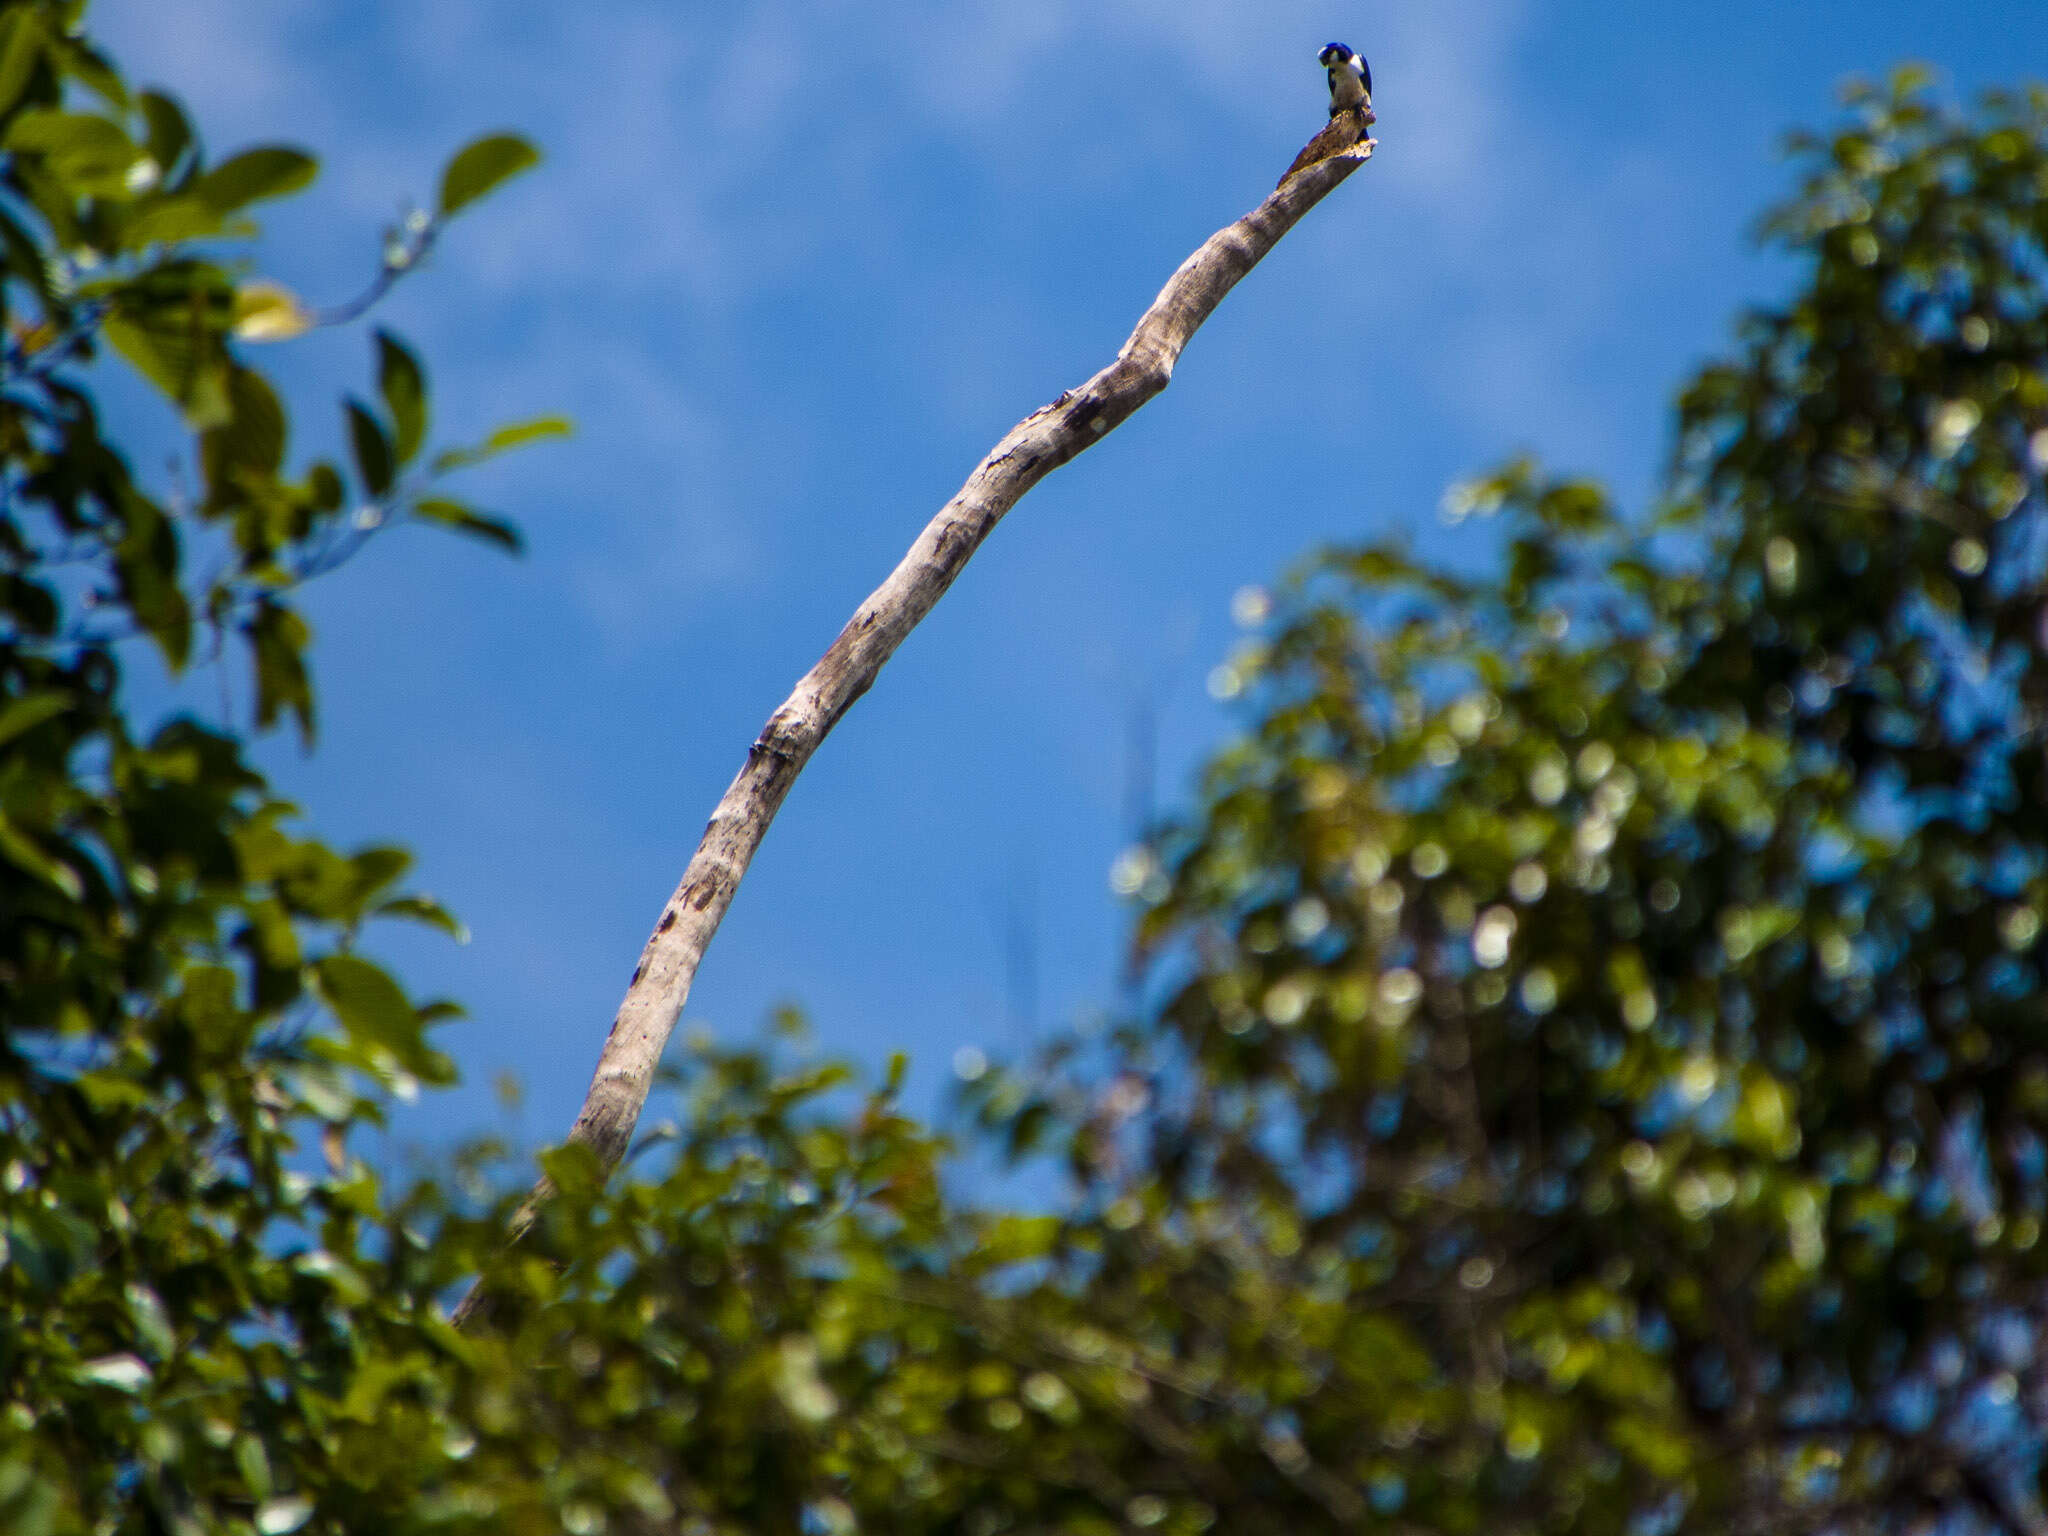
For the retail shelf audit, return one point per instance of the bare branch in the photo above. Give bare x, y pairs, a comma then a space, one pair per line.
1032, 449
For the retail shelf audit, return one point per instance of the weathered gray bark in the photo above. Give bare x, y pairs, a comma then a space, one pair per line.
1037, 445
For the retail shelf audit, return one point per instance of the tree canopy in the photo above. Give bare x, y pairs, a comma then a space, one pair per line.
1592, 1064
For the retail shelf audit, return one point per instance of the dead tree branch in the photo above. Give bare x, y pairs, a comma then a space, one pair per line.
1032, 449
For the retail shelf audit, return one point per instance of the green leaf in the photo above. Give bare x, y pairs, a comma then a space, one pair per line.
324, 488
251, 441
278, 639
374, 459
250, 1459
1016, 1239
481, 165
112, 1092
28, 1502
171, 322
453, 514
29, 711
209, 1005
512, 435
256, 174
270, 937
134, 342
21, 45
171, 221
170, 131
17, 850
372, 869
404, 389
1911, 77
152, 1324
424, 909
146, 563
86, 64
24, 258
574, 1168
91, 155
371, 1006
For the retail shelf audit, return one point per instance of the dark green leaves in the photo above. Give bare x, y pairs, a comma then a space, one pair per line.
27, 856
385, 445
376, 461
247, 449
482, 165
463, 519
1646, 920
196, 1268
23, 714
169, 132
278, 638
405, 396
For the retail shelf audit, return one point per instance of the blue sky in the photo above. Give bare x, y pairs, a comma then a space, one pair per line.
793, 268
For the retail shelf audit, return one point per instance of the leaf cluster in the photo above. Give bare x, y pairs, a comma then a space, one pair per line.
1617, 981
187, 1010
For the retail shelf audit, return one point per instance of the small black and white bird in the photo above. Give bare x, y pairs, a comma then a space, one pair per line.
1351, 114
1350, 79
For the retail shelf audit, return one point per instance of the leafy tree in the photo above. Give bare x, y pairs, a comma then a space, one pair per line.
1597, 1062
1601, 1074
184, 998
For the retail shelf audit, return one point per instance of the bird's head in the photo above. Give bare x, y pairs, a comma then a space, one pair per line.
1333, 53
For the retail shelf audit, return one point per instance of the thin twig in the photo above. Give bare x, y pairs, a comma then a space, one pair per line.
404, 249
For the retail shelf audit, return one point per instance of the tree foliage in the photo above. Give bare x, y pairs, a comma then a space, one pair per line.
184, 999
1615, 982
1596, 1061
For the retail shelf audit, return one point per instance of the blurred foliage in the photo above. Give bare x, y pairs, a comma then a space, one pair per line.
1597, 1063
1604, 1044
184, 1002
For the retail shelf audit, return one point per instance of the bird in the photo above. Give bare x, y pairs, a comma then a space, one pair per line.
1350, 78
1351, 114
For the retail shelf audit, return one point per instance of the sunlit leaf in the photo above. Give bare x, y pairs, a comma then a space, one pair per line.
269, 311
124, 1373
513, 435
